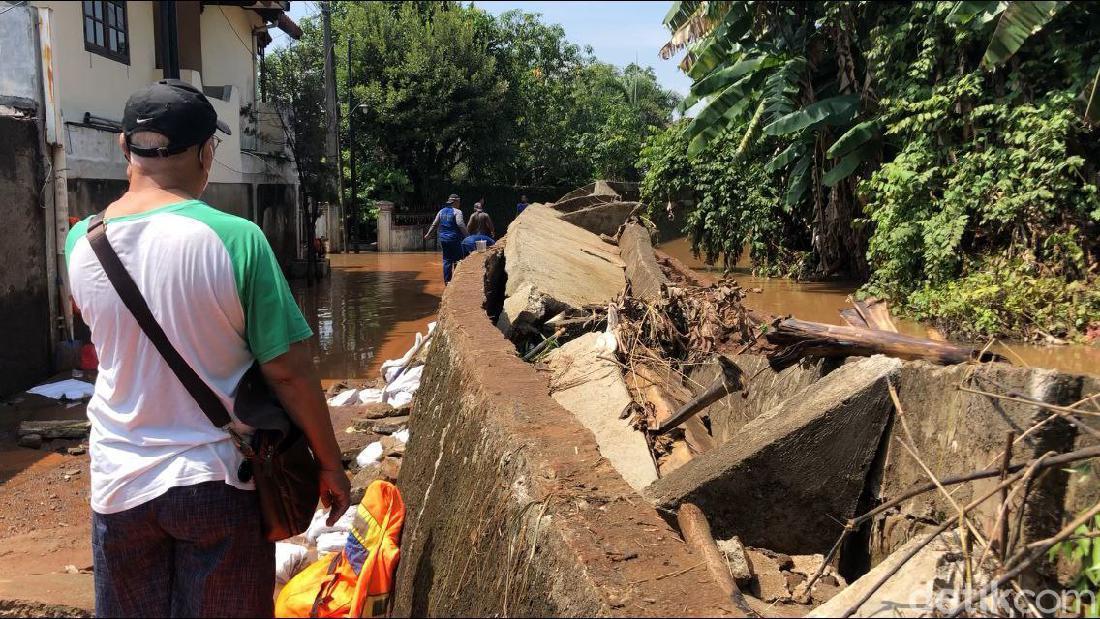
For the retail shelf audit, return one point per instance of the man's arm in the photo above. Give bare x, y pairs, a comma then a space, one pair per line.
492, 228
431, 228
293, 379
461, 223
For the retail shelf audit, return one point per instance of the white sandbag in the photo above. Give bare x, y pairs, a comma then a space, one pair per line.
289, 560
390, 368
331, 542
342, 398
399, 399
370, 396
371, 453
317, 526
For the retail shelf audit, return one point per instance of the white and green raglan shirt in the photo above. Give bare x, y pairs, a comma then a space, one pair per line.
213, 284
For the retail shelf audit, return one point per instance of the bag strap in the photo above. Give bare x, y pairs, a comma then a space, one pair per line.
127, 290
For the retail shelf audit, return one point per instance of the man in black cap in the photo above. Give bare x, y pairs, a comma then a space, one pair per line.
176, 528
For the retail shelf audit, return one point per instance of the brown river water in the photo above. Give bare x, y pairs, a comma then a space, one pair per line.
369, 310
372, 305
822, 302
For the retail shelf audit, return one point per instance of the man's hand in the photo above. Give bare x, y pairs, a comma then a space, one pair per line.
425, 237
335, 493
294, 380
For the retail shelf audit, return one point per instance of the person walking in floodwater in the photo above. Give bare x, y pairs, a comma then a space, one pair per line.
480, 222
452, 229
176, 523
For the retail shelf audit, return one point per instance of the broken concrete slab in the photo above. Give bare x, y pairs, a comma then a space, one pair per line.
593, 389
642, 271
957, 431
909, 593
602, 218
813, 452
765, 391
553, 265
769, 581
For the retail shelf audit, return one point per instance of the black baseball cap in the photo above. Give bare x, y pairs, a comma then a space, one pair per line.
174, 109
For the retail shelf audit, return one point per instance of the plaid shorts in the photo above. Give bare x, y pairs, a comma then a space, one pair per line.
195, 551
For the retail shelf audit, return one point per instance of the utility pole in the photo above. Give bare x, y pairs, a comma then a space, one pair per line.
352, 203
332, 149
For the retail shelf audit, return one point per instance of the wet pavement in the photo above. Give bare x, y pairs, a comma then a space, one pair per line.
822, 301
369, 310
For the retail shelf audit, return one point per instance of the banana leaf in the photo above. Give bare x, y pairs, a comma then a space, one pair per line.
1018, 22
834, 109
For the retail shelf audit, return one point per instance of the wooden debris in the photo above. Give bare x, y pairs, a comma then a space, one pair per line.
730, 382
801, 338
696, 531
55, 429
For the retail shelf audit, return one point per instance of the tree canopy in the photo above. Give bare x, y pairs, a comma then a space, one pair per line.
446, 93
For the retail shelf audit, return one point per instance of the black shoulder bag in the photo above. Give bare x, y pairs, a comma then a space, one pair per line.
277, 457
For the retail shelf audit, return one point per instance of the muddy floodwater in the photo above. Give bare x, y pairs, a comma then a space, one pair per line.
821, 302
369, 309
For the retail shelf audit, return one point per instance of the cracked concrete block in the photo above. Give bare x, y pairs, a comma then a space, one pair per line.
552, 265
737, 559
642, 271
767, 390
602, 218
594, 391
790, 477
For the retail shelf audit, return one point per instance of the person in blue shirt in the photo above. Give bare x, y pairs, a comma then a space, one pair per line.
522, 205
469, 244
452, 229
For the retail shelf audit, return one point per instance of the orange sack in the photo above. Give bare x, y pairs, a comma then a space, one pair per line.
358, 580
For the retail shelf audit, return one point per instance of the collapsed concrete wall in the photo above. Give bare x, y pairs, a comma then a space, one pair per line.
603, 218
511, 508
553, 265
790, 477
956, 431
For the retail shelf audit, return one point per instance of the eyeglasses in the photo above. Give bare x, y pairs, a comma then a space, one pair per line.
217, 141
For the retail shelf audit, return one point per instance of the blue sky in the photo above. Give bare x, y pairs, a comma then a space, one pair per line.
619, 32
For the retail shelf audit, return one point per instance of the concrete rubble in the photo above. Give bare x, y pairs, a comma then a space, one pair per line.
814, 450
590, 386
553, 265
587, 457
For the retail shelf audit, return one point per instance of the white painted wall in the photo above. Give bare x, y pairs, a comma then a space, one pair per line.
92, 83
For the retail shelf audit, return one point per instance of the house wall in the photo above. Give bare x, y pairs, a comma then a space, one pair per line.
24, 293
92, 83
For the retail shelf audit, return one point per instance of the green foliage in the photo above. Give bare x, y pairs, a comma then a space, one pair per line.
941, 151
445, 94
1082, 550
736, 201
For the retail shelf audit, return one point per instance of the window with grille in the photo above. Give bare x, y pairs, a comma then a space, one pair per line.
105, 29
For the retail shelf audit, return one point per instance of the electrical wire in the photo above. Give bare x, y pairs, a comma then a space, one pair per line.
234, 31
17, 4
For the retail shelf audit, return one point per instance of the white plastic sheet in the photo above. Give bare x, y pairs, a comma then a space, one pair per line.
332, 542
64, 388
370, 396
317, 526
